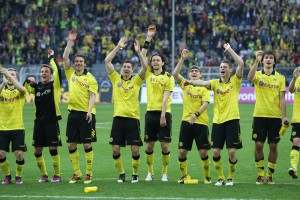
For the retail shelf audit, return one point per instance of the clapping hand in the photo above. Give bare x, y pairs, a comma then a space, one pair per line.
137, 46
122, 42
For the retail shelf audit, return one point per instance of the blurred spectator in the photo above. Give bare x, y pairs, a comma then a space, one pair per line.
29, 26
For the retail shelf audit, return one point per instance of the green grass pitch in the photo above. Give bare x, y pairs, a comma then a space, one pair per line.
105, 175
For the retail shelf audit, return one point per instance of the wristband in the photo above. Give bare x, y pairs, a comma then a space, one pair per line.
197, 114
146, 45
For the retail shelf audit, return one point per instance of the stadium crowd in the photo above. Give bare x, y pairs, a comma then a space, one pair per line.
28, 27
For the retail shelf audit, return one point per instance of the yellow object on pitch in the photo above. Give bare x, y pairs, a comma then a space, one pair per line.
190, 181
91, 189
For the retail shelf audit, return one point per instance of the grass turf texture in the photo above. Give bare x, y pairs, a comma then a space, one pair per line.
105, 175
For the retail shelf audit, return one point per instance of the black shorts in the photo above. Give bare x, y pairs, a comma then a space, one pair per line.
125, 131
78, 128
295, 131
46, 135
263, 128
228, 132
190, 132
17, 139
153, 131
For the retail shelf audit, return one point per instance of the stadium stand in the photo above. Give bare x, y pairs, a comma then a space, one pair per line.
29, 27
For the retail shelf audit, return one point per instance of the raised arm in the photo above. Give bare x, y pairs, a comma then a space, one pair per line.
15, 82
109, 66
252, 71
236, 58
57, 76
72, 38
177, 76
143, 59
150, 35
293, 81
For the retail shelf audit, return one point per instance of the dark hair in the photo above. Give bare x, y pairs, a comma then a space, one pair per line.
82, 56
227, 62
128, 61
47, 66
269, 52
195, 67
162, 59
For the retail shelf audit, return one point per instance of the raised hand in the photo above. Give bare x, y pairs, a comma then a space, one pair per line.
73, 35
296, 72
137, 47
151, 31
259, 56
226, 46
184, 53
3, 70
122, 42
50, 52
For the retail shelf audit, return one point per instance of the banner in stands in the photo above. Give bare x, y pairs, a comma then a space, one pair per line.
247, 95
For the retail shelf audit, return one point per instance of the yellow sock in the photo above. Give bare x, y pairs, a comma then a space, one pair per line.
271, 169
165, 158
118, 161
19, 168
183, 165
219, 168
75, 162
231, 169
260, 167
5, 167
205, 167
150, 161
294, 155
89, 159
41, 164
56, 164
135, 164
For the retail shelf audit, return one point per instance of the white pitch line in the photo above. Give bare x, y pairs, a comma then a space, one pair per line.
107, 197
103, 127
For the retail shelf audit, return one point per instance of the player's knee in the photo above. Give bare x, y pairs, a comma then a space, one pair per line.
19, 155
273, 147
182, 153
216, 153
135, 150
259, 145
2, 154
